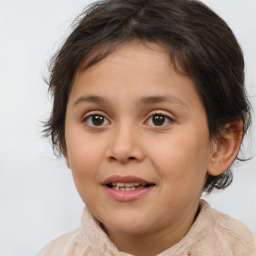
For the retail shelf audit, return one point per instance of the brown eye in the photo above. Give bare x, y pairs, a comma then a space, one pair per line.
96, 120
159, 120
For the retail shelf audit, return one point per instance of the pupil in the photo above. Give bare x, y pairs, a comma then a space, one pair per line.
97, 120
158, 120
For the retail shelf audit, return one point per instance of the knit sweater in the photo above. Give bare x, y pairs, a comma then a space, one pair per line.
212, 234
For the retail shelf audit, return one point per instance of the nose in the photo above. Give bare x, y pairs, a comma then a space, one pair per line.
125, 145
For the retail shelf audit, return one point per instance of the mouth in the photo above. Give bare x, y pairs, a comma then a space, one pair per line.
127, 188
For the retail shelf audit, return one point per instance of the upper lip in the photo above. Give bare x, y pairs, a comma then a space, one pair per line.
126, 179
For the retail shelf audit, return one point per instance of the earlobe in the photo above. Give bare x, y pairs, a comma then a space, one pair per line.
67, 160
226, 148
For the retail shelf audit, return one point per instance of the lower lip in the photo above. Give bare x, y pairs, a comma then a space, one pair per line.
127, 196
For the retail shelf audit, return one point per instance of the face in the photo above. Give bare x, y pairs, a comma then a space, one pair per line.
137, 142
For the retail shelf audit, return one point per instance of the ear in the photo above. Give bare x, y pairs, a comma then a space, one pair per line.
226, 148
67, 160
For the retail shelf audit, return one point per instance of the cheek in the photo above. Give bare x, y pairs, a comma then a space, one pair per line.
85, 159
82, 150
183, 160
84, 163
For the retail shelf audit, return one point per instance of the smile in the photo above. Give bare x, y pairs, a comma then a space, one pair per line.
127, 188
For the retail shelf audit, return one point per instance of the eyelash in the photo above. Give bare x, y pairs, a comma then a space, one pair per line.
88, 119
167, 119
89, 122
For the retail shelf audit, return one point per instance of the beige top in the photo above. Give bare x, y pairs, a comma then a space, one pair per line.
212, 234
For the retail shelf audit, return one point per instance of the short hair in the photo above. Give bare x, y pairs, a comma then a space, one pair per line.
200, 45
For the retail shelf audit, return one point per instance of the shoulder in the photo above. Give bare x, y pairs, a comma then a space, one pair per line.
232, 226
232, 234
64, 245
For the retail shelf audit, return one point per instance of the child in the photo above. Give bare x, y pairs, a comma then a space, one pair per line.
149, 111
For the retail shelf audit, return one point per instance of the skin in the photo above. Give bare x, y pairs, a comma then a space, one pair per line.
175, 156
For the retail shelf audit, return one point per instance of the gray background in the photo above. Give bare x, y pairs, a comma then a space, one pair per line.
38, 200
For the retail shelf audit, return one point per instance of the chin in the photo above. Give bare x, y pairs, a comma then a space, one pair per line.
126, 224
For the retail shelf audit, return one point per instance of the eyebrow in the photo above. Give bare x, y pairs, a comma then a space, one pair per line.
92, 99
147, 100
158, 99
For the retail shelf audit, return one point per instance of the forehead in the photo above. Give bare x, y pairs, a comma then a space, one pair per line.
114, 50
135, 72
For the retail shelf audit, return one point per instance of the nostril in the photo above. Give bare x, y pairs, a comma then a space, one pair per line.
112, 158
131, 158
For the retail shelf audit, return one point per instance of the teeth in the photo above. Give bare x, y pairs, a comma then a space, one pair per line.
130, 185
126, 189
130, 189
127, 186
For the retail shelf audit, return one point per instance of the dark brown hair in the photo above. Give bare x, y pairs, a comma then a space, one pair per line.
200, 45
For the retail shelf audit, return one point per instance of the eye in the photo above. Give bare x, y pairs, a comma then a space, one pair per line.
96, 120
159, 120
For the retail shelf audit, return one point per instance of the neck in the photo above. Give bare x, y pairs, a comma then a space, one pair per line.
156, 241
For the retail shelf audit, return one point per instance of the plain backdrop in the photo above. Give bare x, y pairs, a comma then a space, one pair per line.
38, 200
